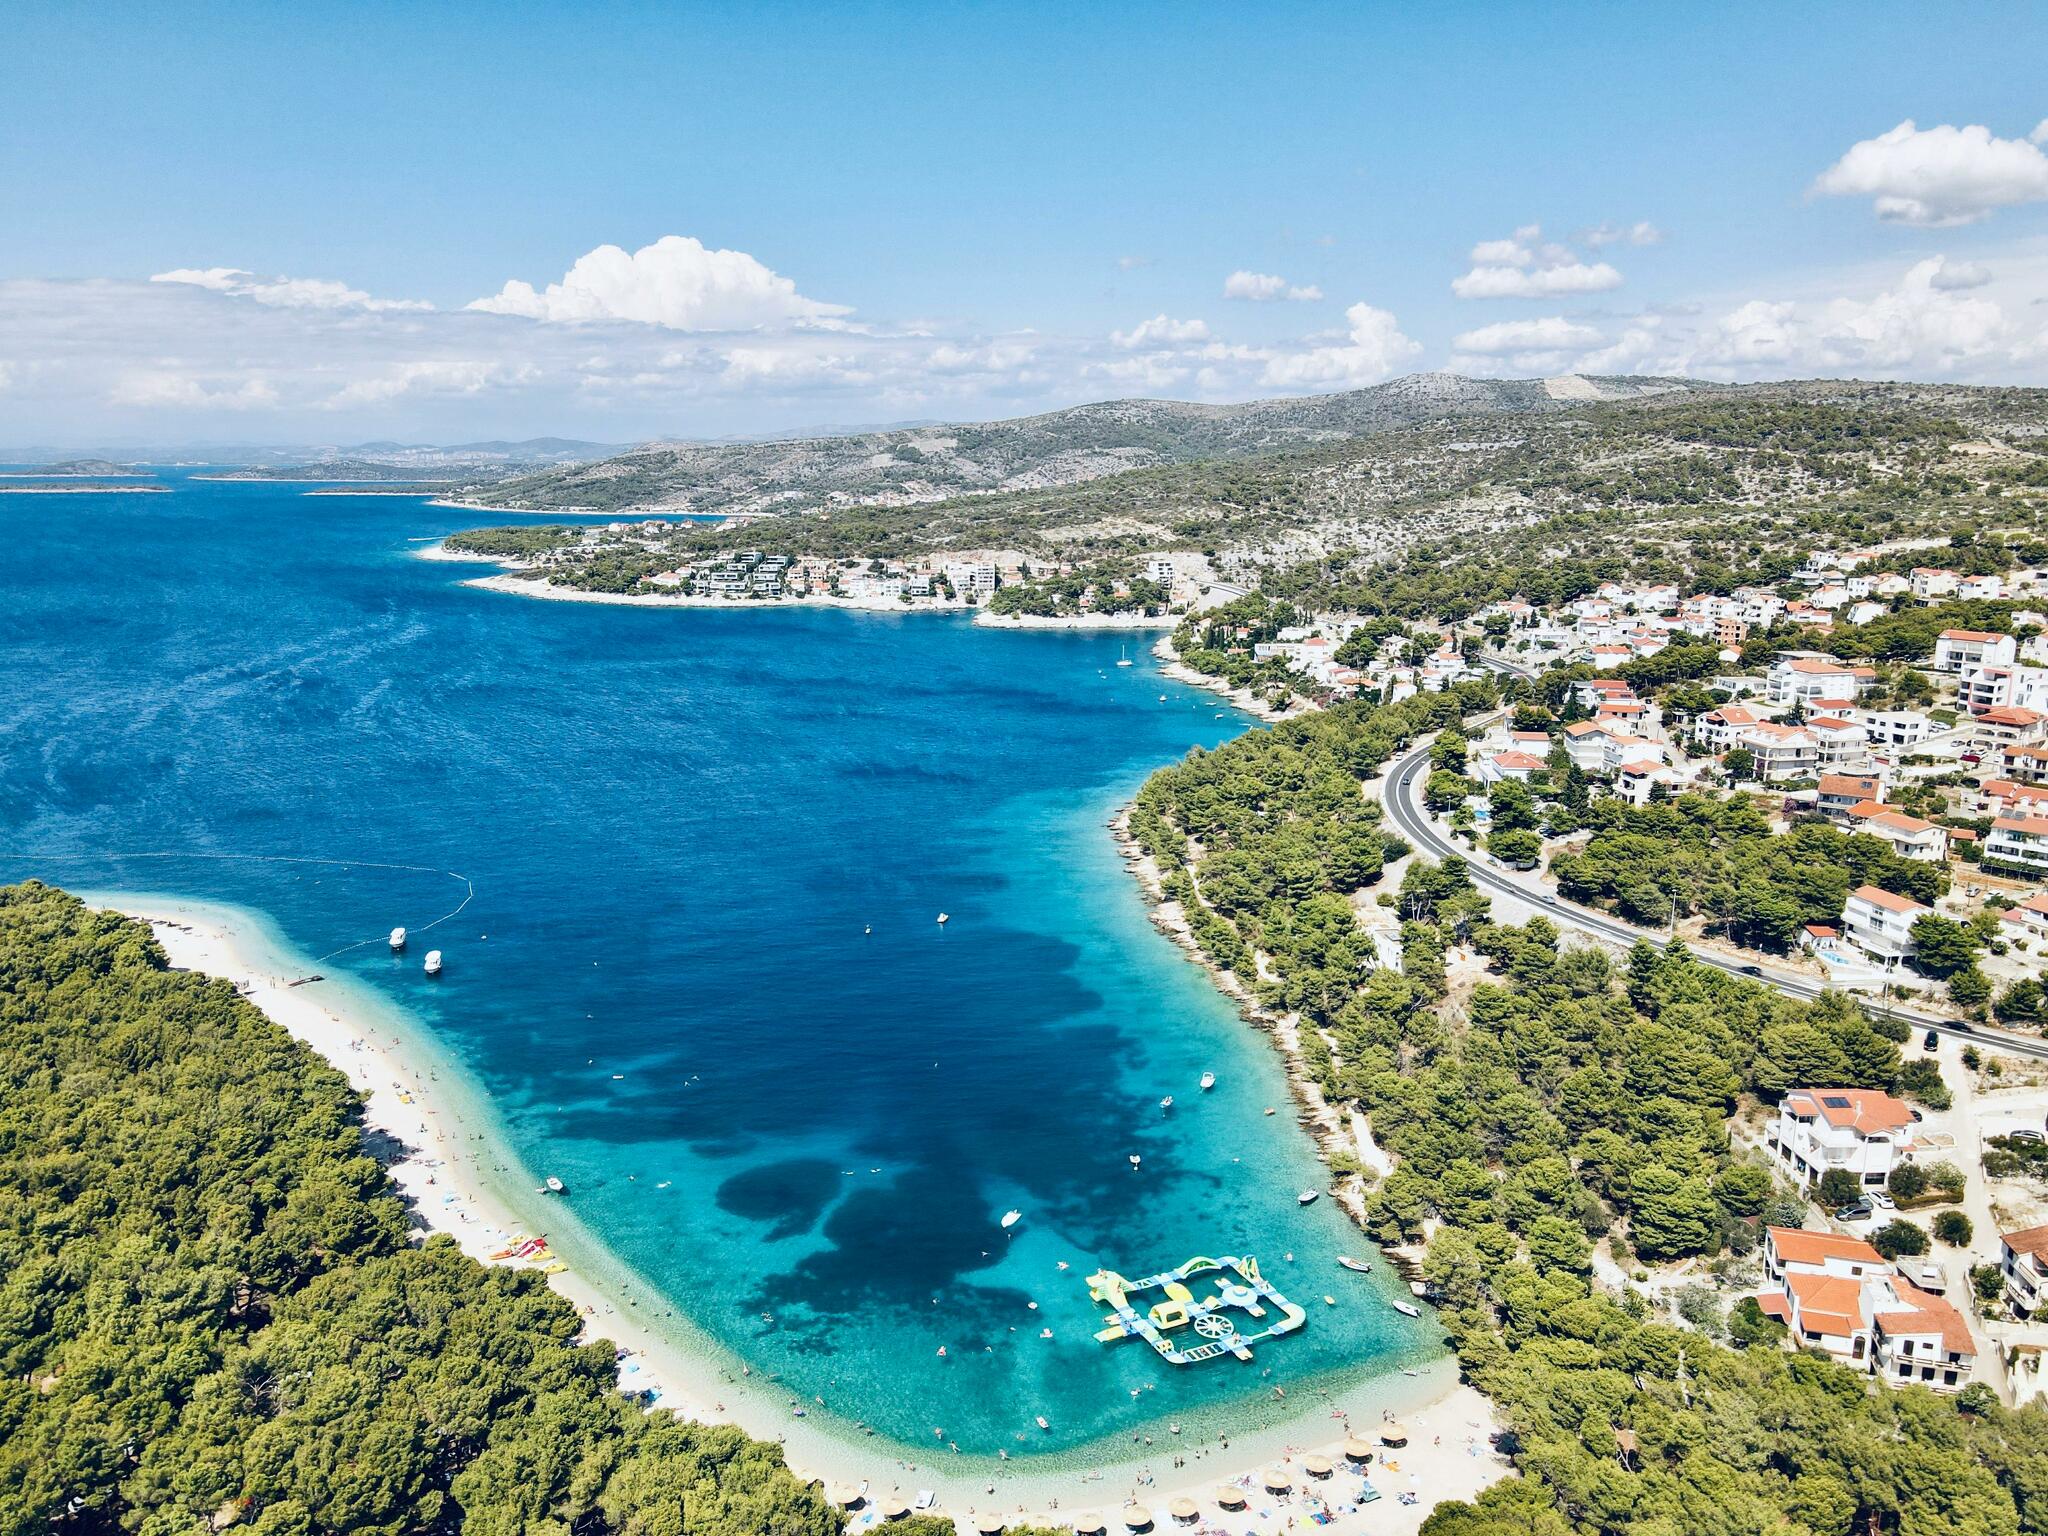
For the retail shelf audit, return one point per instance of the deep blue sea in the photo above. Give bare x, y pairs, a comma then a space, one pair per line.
708, 851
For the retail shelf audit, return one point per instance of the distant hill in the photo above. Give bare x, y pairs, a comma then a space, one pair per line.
911, 465
97, 469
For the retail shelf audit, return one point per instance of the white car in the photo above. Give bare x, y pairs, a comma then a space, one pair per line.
1881, 1200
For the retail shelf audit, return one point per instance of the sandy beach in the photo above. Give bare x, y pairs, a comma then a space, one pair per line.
441, 1153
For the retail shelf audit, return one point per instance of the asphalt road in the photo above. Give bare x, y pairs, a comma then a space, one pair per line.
1404, 810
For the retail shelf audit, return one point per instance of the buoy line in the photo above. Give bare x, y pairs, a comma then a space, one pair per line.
468, 893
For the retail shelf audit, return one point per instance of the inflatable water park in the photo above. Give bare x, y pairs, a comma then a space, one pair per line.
1184, 1328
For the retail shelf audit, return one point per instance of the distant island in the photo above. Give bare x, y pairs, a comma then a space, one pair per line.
99, 469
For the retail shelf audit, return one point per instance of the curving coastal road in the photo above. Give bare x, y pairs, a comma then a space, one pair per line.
1402, 799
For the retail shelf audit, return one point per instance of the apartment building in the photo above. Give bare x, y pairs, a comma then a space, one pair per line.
1858, 1129
1908, 836
2020, 842
1881, 924
1958, 649
2023, 1260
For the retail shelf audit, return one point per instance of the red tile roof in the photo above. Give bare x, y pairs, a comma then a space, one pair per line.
1865, 1110
1927, 1313
1878, 897
2032, 1240
1796, 1245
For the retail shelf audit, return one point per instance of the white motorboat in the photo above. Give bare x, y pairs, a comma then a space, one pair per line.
397, 940
1167, 1102
1308, 1197
1407, 1309
1011, 1218
1208, 1081
1356, 1266
433, 962
1135, 1159
556, 1186
944, 919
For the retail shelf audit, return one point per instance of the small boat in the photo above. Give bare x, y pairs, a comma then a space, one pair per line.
1124, 662
556, 1186
1407, 1309
1011, 1218
1167, 1102
1329, 1301
1135, 1159
943, 919
1308, 1197
1356, 1266
433, 962
1208, 1081
1041, 1422
397, 940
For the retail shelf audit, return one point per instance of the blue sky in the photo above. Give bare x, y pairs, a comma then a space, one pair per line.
960, 210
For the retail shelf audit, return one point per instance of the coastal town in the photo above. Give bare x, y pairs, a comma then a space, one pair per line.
1657, 757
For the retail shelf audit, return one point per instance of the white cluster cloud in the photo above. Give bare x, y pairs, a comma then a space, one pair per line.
1160, 328
283, 292
1264, 288
1935, 320
1370, 352
1942, 176
1525, 266
676, 283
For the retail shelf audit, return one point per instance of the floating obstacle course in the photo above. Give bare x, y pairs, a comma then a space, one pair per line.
1241, 1291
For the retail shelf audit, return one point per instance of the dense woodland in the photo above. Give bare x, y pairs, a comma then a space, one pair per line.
212, 1313
1566, 1103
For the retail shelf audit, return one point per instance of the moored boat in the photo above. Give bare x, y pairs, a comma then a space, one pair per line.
1011, 1218
1135, 1159
433, 962
1208, 1081
1167, 1102
1356, 1266
397, 940
1407, 1309
1308, 1197
555, 1186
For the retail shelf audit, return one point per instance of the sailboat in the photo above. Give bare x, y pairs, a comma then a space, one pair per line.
1124, 659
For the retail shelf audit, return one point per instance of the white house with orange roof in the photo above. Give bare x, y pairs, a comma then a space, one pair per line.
1957, 649
1908, 836
1917, 1338
1808, 680
1839, 742
1815, 1286
2009, 726
1781, 751
1840, 793
2023, 1260
2018, 841
1931, 581
1512, 764
1857, 1129
2029, 919
1880, 923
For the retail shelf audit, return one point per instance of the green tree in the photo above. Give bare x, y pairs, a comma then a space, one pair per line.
1942, 947
1838, 1186
1899, 1237
1952, 1228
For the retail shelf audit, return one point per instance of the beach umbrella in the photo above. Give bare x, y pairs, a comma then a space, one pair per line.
846, 1496
989, 1525
1090, 1524
1230, 1496
894, 1509
1277, 1481
1137, 1517
1184, 1509
1358, 1448
1317, 1466
1393, 1432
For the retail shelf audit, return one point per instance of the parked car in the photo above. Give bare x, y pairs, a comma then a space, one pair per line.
2025, 1133
1860, 1210
1882, 1201
1933, 1039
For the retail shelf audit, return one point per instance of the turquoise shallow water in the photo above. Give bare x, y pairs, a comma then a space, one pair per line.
680, 827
